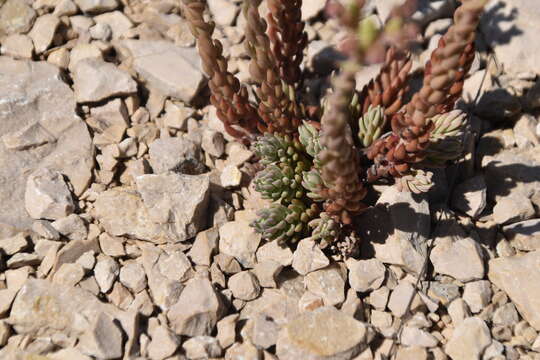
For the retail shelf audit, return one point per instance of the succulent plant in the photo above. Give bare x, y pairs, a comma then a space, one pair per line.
284, 223
371, 125
353, 137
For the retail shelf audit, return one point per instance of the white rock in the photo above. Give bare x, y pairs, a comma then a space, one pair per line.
43, 32
5, 332
267, 272
14, 244
239, 240
328, 283
116, 21
172, 70
512, 209
469, 196
18, 46
244, 285
275, 252
518, 277
198, 309
224, 12
176, 154
366, 275
202, 347
133, 277
412, 336
524, 235
69, 274
6, 298
401, 298
106, 271
461, 259
50, 136
101, 31
103, 339
226, 330
96, 6
519, 31
506, 315
109, 121
230, 177
308, 257
164, 343
477, 295
458, 311
213, 142
318, 335
95, 80
16, 17
65, 8
72, 227
469, 340
204, 247
47, 195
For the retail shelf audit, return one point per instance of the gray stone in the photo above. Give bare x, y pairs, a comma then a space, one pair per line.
204, 247
176, 154
164, 343
469, 196
47, 130
16, 16
109, 121
524, 235
117, 21
328, 283
244, 285
43, 31
318, 335
412, 336
514, 40
96, 6
106, 271
365, 275
103, 338
95, 80
477, 295
469, 340
45, 230
461, 259
171, 70
308, 257
512, 209
239, 240
213, 142
198, 309
202, 347
506, 315
18, 46
176, 202
72, 226
518, 276
47, 195
133, 277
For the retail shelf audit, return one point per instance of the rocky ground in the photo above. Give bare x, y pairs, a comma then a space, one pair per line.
125, 207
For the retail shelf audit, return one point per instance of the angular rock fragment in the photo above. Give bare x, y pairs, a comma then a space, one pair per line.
47, 195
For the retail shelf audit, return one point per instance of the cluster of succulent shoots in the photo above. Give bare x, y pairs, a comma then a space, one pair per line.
317, 164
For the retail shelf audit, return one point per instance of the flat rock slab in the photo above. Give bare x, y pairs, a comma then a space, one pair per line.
38, 129
319, 335
519, 277
171, 70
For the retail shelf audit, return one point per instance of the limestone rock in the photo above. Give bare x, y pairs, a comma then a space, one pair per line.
469, 340
109, 121
16, 17
311, 9
520, 33
176, 202
164, 343
477, 295
518, 276
95, 80
327, 283
43, 131
103, 339
275, 252
42, 34
308, 257
133, 277
176, 154
366, 275
47, 195
461, 259
204, 247
238, 239
117, 22
469, 196
318, 335
412, 336
106, 271
400, 298
171, 70
202, 347
512, 209
198, 309
244, 285
524, 235
96, 6
19, 46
